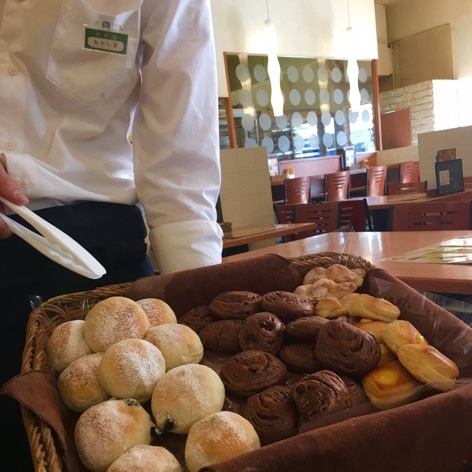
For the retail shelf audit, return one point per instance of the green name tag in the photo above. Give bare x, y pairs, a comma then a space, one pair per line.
108, 41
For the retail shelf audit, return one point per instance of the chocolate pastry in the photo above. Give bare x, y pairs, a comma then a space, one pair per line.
272, 413
320, 394
235, 304
356, 392
305, 329
346, 349
300, 357
197, 318
250, 372
221, 335
262, 331
289, 306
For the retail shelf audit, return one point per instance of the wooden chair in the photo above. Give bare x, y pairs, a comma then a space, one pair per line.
393, 173
297, 190
317, 188
394, 188
285, 213
432, 216
337, 186
376, 181
409, 172
324, 214
354, 215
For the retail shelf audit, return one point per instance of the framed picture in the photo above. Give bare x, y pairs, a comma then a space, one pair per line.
449, 176
446, 155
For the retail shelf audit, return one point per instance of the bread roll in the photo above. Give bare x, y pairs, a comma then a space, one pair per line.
217, 438
185, 395
79, 385
401, 332
428, 365
391, 385
144, 458
130, 369
106, 431
112, 320
157, 311
66, 344
178, 343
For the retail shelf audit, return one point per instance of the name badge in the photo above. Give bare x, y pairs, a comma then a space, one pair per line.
106, 41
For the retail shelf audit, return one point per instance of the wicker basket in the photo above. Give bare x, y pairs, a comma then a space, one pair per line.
46, 454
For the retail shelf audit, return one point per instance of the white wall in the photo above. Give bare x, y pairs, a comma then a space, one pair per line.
397, 155
305, 28
414, 16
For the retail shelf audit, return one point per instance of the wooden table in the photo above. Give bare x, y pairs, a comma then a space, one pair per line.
250, 234
378, 247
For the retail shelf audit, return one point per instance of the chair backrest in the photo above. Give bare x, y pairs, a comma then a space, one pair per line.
409, 172
432, 216
394, 188
285, 213
354, 215
324, 214
317, 187
337, 186
297, 190
376, 181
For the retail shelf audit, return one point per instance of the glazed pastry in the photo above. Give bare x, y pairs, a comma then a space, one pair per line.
336, 272
428, 365
250, 372
288, 306
330, 307
300, 357
363, 305
197, 318
401, 332
305, 329
314, 275
326, 288
235, 304
356, 393
386, 355
262, 331
375, 328
346, 349
222, 335
391, 385
320, 394
272, 413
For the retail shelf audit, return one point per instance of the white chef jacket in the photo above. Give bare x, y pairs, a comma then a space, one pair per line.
79, 78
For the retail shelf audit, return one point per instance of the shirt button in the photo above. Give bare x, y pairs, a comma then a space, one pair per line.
24, 183
9, 146
12, 70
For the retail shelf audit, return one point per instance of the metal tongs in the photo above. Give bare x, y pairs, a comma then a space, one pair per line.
53, 243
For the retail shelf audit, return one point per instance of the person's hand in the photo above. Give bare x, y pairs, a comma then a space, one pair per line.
10, 190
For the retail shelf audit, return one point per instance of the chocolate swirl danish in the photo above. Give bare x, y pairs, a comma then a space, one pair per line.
236, 304
289, 306
320, 394
197, 318
305, 329
272, 413
250, 372
221, 335
300, 357
346, 349
262, 331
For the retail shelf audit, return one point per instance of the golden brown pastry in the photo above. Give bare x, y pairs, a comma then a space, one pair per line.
330, 307
336, 272
287, 305
375, 328
428, 365
391, 385
386, 355
363, 305
345, 349
235, 304
401, 332
272, 413
250, 372
305, 329
262, 331
325, 288
221, 335
314, 275
300, 357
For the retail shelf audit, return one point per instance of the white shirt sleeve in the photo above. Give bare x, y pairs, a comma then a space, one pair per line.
175, 135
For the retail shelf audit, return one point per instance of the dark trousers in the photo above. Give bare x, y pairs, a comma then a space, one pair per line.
112, 233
